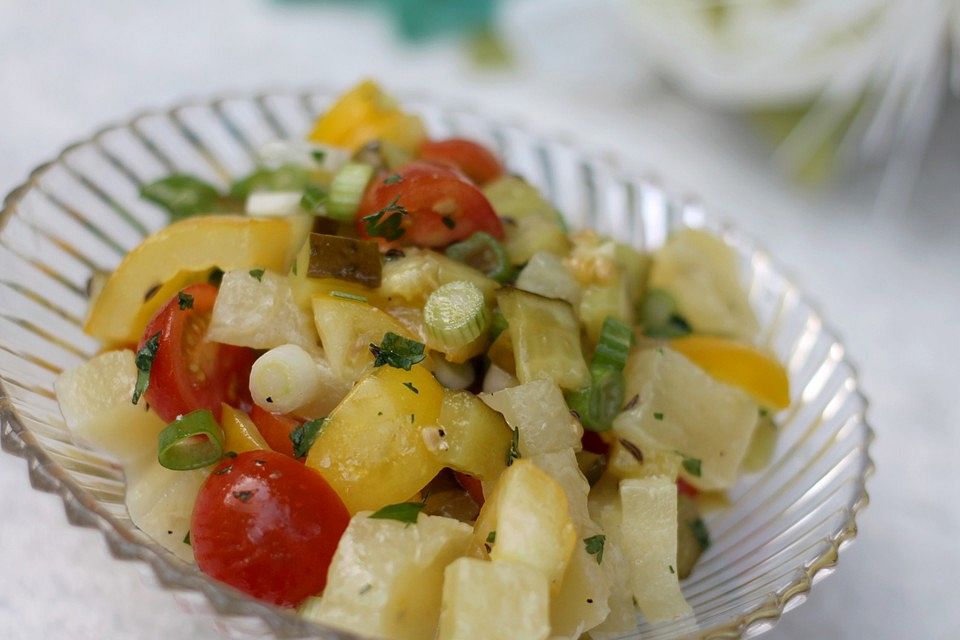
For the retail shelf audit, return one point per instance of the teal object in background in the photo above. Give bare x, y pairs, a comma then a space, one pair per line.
419, 20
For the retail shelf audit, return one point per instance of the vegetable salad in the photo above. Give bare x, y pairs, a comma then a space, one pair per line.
380, 381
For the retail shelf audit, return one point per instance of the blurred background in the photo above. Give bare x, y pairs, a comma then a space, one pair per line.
829, 129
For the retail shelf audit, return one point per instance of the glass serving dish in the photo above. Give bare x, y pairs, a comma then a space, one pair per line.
780, 533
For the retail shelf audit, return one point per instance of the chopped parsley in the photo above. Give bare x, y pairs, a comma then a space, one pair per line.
215, 277
700, 532
670, 567
594, 546
186, 538
346, 295
385, 223
491, 537
397, 351
257, 273
448, 222
313, 199
185, 300
403, 512
693, 466
394, 179
319, 155
513, 453
144, 360
409, 385
657, 415
365, 588
304, 436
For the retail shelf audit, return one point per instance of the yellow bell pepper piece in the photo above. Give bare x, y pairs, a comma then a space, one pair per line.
372, 451
740, 365
119, 314
366, 113
239, 432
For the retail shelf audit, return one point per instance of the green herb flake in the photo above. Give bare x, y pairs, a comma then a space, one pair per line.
185, 300
144, 361
670, 567
394, 179
257, 273
186, 538
693, 466
304, 436
397, 351
657, 415
403, 512
448, 222
386, 222
409, 385
513, 453
345, 295
491, 537
699, 529
365, 588
319, 155
594, 546
313, 199
215, 277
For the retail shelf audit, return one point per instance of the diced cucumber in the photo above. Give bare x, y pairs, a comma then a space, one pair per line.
545, 335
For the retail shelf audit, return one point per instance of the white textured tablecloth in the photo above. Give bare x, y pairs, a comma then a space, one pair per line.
889, 283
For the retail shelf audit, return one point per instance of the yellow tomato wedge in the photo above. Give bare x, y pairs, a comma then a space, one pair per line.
119, 313
366, 113
372, 451
740, 365
239, 432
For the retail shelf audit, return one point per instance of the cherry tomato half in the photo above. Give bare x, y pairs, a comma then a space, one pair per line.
473, 159
472, 485
442, 206
268, 526
275, 429
188, 372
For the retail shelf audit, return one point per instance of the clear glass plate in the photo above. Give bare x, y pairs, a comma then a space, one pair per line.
79, 213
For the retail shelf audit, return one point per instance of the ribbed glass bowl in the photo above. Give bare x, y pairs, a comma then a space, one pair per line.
81, 213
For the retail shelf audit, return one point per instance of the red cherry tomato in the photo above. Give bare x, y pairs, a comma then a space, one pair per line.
472, 485
275, 429
593, 442
686, 489
442, 206
188, 372
267, 525
473, 159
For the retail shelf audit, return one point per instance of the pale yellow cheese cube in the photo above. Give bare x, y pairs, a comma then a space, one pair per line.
681, 408
260, 313
649, 531
541, 414
160, 502
386, 577
529, 513
96, 401
494, 601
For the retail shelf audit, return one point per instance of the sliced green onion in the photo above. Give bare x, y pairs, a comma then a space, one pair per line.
182, 195
287, 177
484, 253
498, 324
190, 442
598, 404
347, 189
660, 317
616, 338
314, 199
456, 314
